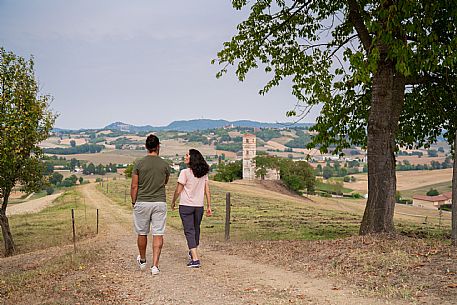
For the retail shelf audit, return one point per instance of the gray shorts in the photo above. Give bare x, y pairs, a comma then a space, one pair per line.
147, 215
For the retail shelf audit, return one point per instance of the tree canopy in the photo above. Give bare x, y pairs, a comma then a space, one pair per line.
362, 61
25, 121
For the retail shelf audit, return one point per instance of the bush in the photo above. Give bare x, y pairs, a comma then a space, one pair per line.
49, 190
98, 180
433, 192
357, 196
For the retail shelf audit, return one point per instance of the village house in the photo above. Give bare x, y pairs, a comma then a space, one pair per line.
432, 202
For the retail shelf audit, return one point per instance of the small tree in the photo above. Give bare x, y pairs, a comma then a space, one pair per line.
25, 121
128, 171
433, 192
73, 143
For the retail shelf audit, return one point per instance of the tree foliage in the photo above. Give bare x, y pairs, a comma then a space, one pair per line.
25, 121
229, 172
357, 59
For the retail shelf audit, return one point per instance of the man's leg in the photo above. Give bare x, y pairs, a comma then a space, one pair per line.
157, 243
142, 242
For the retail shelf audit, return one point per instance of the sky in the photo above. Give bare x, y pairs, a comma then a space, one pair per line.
141, 62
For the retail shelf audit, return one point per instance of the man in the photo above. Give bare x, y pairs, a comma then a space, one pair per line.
149, 176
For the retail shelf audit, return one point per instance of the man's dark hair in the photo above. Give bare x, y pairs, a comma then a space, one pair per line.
197, 163
152, 143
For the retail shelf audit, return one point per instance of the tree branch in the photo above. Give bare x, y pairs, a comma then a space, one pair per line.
356, 19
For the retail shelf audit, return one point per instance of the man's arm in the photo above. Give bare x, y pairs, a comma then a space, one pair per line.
134, 188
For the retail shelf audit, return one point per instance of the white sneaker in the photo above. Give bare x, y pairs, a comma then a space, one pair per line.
155, 270
141, 265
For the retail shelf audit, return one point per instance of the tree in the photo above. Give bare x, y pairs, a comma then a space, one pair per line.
128, 171
229, 171
297, 175
25, 121
433, 192
73, 143
327, 172
56, 178
360, 73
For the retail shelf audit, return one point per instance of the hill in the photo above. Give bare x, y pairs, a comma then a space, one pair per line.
192, 125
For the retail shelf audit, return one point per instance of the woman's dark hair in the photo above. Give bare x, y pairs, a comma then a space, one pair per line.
197, 163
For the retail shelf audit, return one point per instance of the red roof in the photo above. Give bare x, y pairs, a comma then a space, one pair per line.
431, 198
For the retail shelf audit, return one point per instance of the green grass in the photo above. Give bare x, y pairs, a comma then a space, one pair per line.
256, 215
326, 187
257, 218
52, 226
442, 187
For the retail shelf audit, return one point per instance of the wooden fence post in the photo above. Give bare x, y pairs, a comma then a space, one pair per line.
74, 231
227, 216
97, 221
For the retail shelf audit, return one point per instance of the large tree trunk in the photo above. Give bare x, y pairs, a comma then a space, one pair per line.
454, 196
387, 102
6, 232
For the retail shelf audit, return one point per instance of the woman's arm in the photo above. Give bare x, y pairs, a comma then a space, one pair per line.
209, 212
178, 190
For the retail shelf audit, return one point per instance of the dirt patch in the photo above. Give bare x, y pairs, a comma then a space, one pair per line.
394, 267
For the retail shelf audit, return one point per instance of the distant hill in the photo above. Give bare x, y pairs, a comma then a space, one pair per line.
192, 125
129, 128
202, 124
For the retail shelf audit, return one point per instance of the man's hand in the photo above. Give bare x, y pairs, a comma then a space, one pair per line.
209, 212
173, 206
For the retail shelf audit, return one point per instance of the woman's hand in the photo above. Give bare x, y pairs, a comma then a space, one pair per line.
209, 212
173, 206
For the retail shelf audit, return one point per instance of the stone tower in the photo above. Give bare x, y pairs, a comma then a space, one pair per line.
249, 153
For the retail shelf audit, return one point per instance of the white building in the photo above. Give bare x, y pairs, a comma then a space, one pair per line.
249, 153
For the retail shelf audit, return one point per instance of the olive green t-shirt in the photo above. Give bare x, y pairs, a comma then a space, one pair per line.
152, 172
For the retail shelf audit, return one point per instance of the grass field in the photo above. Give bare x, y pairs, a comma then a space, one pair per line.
259, 214
442, 187
52, 226
407, 180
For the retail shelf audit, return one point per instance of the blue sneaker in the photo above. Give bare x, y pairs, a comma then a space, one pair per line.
194, 264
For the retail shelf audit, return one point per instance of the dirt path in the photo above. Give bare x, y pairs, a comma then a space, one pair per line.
223, 278
31, 206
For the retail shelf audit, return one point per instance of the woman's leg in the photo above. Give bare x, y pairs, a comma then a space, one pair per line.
198, 215
187, 217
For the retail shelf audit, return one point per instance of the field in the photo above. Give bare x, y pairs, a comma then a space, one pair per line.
407, 180
52, 226
259, 213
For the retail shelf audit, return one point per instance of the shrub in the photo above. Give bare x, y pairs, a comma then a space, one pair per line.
49, 190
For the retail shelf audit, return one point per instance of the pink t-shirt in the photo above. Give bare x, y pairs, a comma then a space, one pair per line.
194, 188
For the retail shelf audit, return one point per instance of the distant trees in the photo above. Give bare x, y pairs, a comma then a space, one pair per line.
25, 121
298, 176
73, 143
100, 169
228, 172
80, 149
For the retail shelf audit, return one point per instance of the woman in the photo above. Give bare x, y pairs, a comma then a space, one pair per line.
192, 188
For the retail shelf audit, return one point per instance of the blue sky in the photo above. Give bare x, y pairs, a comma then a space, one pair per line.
139, 61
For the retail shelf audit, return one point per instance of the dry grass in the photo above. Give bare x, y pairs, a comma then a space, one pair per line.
392, 267
407, 179
52, 226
